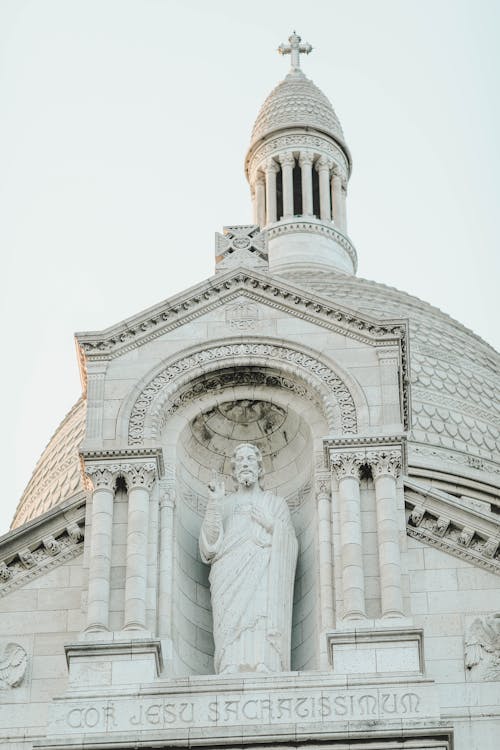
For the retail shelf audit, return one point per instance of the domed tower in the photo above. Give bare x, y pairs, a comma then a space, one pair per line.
298, 167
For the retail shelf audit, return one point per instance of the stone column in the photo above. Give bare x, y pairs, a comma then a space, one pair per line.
325, 553
260, 199
336, 185
140, 479
306, 159
323, 168
165, 563
271, 170
346, 467
103, 480
287, 162
343, 206
386, 466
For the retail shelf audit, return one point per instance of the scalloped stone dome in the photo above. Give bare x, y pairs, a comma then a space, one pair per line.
57, 475
296, 102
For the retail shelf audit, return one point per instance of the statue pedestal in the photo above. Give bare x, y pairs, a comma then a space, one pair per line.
377, 648
118, 662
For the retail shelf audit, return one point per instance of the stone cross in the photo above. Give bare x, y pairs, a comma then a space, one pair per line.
294, 48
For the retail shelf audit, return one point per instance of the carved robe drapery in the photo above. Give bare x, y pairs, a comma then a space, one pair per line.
251, 583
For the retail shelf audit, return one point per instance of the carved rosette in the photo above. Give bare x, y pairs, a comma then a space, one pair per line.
346, 465
384, 463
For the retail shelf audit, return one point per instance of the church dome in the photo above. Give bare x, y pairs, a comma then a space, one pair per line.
57, 475
296, 102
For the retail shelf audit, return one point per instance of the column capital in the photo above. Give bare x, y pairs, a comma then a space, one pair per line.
306, 158
101, 476
271, 166
287, 159
384, 463
323, 164
260, 179
139, 475
346, 464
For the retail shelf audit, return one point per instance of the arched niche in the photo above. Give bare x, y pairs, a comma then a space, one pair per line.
248, 404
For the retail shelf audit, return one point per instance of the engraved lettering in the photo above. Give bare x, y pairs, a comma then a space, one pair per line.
184, 708
265, 705
245, 711
91, 717
231, 709
169, 715
137, 719
74, 718
367, 704
324, 707
386, 706
301, 714
109, 716
213, 711
284, 707
410, 703
153, 713
340, 705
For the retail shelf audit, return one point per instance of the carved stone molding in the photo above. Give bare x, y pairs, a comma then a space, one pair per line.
315, 227
48, 552
312, 370
242, 245
434, 520
346, 464
101, 477
139, 475
286, 160
384, 463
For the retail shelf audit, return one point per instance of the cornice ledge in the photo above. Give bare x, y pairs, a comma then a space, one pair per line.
136, 454
127, 335
35, 556
365, 443
314, 226
461, 532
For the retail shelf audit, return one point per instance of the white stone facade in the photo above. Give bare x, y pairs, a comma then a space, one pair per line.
374, 415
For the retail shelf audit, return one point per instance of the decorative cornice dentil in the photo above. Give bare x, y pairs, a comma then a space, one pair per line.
434, 518
185, 307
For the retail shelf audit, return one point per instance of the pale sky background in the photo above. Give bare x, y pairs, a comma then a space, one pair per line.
123, 131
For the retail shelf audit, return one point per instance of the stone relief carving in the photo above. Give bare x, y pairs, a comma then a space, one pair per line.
315, 369
13, 665
482, 647
242, 316
249, 541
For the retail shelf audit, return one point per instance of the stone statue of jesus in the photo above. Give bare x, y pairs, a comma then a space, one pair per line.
248, 539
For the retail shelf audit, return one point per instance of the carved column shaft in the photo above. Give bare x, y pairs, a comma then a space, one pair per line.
166, 562
385, 469
306, 161
325, 556
260, 200
337, 200
100, 548
287, 164
323, 168
343, 211
271, 170
140, 480
346, 467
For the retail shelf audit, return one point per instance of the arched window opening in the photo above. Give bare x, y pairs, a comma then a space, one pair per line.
297, 189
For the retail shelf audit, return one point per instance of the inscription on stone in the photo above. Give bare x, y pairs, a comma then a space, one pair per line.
242, 316
170, 711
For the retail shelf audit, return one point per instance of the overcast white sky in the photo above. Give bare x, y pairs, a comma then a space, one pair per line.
123, 130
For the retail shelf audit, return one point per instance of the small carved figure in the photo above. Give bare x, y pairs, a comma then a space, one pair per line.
13, 665
249, 541
482, 646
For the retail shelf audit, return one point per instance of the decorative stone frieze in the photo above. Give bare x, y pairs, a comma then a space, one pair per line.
315, 373
27, 558
434, 519
241, 246
51, 545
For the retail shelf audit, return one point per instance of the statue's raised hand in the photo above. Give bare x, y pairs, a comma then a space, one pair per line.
216, 489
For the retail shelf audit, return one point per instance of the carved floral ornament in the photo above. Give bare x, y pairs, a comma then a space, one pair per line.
381, 462
104, 475
156, 395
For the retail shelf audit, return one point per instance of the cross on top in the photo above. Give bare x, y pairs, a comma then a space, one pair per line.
294, 48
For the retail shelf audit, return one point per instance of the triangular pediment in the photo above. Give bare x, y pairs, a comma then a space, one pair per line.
438, 519
235, 286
